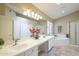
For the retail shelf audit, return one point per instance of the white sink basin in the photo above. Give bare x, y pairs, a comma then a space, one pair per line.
18, 47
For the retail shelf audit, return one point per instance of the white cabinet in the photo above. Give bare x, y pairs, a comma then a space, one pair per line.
34, 51
30, 52
43, 48
21, 54
50, 43
46, 46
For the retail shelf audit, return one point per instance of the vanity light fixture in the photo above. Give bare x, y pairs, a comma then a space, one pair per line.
28, 12
36, 14
32, 14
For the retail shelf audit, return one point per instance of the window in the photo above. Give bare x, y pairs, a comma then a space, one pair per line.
49, 28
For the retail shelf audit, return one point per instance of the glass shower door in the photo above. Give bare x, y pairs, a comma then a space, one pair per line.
72, 33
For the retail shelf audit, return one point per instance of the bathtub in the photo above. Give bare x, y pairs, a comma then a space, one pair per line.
60, 41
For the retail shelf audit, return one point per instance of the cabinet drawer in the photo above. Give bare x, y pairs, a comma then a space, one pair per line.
34, 52
28, 52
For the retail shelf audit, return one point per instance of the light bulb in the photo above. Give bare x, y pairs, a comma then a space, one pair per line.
36, 14
24, 13
28, 10
37, 18
41, 17
29, 14
32, 13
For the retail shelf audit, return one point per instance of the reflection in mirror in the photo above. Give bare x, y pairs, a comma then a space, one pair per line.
59, 29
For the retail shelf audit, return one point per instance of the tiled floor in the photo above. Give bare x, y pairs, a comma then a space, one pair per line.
71, 50
50, 53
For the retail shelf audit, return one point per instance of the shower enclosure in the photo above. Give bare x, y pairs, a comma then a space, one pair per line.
74, 32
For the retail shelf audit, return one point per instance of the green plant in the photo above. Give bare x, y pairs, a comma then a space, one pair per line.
1, 41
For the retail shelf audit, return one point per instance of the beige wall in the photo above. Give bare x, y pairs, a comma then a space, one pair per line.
6, 18
64, 22
6, 29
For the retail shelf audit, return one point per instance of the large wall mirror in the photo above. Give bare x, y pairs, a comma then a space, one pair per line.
59, 29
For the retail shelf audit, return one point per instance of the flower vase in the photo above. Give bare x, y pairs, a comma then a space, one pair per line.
32, 35
36, 36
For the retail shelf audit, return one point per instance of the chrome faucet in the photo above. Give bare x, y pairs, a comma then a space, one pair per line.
16, 42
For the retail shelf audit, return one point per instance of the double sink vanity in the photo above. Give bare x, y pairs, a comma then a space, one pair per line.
29, 46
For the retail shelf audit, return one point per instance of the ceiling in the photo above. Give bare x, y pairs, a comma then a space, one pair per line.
56, 11
23, 7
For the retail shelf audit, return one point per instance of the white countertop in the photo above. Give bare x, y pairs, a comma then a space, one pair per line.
23, 45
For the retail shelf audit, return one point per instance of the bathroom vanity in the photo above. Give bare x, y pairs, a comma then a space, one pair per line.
27, 47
